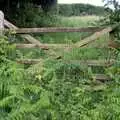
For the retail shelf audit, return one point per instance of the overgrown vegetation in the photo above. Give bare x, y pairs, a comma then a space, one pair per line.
54, 90
114, 18
58, 89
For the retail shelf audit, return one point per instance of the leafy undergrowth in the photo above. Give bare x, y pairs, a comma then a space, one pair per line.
56, 90
73, 95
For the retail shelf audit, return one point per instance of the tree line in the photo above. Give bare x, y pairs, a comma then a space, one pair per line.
12, 6
79, 9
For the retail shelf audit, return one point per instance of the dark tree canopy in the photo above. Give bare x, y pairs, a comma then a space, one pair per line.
80, 9
46, 4
9, 4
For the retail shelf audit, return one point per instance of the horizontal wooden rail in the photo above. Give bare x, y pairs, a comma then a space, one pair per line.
9, 25
104, 63
56, 29
101, 77
43, 46
28, 37
31, 46
81, 43
51, 46
29, 61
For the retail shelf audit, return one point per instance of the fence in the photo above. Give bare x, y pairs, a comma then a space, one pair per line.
34, 43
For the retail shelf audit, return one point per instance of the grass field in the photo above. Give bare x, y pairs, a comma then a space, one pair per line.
69, 37
78, 21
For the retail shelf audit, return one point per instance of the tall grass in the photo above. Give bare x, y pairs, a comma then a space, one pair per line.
68, 37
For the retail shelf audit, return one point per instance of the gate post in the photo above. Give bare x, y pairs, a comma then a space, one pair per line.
1, 22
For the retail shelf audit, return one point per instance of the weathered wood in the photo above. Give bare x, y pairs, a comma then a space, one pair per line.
94, 37
28, 37
43, 46
49, 46
56, 29
101, 77
31, 46
103, 63
31, 39
29, 61
9, 25
1, 22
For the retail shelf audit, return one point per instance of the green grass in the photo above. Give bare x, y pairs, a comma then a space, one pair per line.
90, 52
78, 21
74, 94
68, 37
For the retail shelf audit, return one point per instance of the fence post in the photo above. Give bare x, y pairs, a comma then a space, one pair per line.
1, 22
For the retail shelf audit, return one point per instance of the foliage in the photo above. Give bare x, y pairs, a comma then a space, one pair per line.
79, 9
114, 71
30, 16
6, 51
47, 4
73, 95
10, 6
68, 38
19, 98
88, 53
55, 90
112, 17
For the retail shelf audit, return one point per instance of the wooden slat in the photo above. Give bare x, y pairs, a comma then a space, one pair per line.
29, 38
103, 63
56, 29
66, 47
43, 46
95, 36
101, 77
9, 25
29, 61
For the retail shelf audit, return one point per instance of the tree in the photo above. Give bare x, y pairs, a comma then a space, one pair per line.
80, 9
7, 5
47, 4
113, 17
